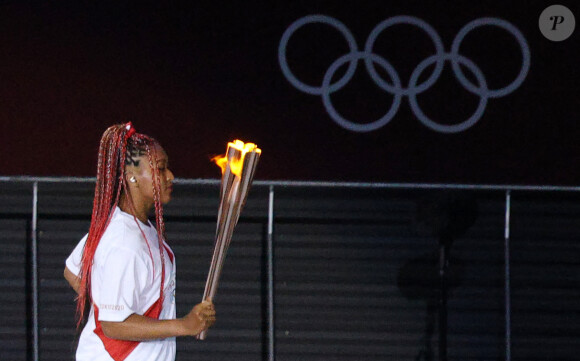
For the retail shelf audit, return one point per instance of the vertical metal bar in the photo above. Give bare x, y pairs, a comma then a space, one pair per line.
443, 250
270, 255
508, 332
34, 273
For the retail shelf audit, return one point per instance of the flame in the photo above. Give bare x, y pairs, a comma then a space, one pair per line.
221, 161
236, 165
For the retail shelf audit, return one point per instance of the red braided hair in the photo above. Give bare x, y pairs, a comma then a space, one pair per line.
114, 152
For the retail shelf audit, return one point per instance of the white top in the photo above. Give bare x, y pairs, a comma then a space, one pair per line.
126, 279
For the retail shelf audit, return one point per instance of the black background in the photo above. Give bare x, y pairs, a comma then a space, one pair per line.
198, 74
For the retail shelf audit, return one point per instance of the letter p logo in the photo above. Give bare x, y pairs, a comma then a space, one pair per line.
557, 22
557, 19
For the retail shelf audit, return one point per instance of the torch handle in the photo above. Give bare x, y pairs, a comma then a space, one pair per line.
224, 233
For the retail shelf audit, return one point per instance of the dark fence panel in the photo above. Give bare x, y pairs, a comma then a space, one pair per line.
546, 276
15, 261
357, 274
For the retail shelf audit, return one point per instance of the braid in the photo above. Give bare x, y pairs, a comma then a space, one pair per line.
159, 224
119, 144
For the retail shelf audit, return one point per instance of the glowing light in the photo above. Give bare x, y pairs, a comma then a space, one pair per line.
236, 164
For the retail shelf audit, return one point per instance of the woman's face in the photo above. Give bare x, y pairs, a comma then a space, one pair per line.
144, 175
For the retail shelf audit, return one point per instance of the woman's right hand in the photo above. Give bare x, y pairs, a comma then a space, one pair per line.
200, 318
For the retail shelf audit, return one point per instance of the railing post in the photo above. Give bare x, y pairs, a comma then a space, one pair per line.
508, 341
34, 271
270, 256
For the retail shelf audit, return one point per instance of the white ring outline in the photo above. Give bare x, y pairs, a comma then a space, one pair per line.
358, 127
492, 93
405, 20
453, 128
311, 19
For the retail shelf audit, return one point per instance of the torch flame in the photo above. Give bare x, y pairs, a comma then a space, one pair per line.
221, 161
236, 165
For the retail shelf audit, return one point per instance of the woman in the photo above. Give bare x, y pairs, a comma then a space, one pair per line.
122, 270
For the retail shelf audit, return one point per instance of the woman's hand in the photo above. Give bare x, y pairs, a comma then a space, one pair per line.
199, 319
141, 328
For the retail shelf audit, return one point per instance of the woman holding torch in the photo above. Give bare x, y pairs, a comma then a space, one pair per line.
123, 270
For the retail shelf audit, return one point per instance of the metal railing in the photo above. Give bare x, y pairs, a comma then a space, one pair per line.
272, 186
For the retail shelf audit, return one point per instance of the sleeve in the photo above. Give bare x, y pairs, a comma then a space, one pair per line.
73, 262
122, 282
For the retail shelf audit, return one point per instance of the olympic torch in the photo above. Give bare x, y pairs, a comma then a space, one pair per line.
238, 168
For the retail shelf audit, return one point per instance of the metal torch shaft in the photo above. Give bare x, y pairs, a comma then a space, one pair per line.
233, 194
225, 230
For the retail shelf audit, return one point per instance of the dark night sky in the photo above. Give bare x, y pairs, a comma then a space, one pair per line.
197, 74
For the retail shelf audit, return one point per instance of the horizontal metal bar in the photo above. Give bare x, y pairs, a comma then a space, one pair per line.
322, 184
24, 179
493, 187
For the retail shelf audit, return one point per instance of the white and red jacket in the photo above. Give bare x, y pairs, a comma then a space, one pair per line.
126, 279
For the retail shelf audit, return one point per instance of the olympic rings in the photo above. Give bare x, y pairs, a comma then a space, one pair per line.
395, 87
